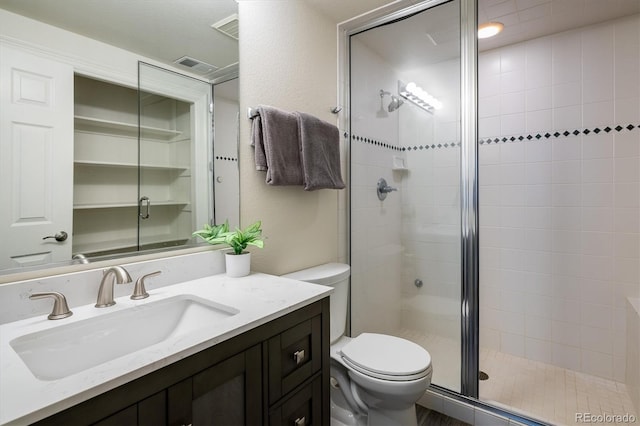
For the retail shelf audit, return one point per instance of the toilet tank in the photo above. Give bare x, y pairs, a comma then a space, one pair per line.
335, 275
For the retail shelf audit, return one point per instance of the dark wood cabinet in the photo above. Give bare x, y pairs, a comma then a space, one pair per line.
274, 374
303, 408
228, 393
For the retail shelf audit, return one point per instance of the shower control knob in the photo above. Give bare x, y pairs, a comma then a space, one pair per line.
382, 189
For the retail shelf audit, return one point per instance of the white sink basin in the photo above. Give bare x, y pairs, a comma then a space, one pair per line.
70, 348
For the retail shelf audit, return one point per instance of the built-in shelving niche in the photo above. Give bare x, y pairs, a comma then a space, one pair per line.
109, 176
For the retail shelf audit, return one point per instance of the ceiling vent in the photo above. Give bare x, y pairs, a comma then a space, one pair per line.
195, 65
229, 26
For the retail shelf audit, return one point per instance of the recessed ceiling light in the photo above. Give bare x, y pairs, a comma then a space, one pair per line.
489, 29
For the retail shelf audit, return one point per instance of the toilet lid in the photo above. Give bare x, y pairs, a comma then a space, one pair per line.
386, 355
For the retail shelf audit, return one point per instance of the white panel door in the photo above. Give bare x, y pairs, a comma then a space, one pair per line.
36, 158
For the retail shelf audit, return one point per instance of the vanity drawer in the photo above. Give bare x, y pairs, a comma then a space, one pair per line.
294, 356
303, 408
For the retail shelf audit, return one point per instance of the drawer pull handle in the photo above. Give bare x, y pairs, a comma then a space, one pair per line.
301, 421
298, 357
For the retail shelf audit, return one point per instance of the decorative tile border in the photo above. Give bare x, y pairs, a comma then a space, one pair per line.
375, 142
556, 134
226, 158
432, 146
504, 139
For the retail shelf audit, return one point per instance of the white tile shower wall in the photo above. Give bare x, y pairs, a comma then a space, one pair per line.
227, 196
559, 216
430, 205
375, 224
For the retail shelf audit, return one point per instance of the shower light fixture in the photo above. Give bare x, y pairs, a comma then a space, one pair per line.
418, 96
489, 29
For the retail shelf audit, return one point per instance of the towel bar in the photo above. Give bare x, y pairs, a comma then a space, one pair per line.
252, 112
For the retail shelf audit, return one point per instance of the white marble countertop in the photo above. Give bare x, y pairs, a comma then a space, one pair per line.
259, 298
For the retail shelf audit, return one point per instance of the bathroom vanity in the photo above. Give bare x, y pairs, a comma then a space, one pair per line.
262, 359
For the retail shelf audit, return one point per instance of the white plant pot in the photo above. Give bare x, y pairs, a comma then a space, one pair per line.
238, 265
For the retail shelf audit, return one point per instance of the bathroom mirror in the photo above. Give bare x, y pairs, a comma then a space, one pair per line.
189, 83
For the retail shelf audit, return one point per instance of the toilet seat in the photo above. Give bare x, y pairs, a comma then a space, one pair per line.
386, 357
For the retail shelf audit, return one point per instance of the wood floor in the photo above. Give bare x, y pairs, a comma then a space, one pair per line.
428, 417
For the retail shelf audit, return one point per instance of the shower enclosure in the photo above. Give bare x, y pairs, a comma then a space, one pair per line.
510, 252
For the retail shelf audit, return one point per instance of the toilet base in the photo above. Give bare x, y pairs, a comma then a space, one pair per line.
393, 418
343, 417
341, 414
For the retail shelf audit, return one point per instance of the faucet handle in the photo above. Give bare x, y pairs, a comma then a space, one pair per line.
60, 307
139, 292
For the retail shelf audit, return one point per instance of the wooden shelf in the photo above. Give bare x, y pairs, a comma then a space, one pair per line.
124, 243
92, 163
93, 206
91, 124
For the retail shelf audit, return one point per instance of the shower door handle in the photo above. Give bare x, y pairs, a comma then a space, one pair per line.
147, 213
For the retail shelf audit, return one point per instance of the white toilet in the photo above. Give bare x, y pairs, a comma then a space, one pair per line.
376, 378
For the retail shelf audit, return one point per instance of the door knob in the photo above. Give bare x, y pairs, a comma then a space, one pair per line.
60, 236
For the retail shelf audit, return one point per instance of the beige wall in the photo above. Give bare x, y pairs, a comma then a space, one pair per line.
288, 53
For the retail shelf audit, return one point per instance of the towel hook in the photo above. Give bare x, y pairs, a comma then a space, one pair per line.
336, 109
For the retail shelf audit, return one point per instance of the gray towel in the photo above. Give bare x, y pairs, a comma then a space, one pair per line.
274, 134
258, 143
320, 147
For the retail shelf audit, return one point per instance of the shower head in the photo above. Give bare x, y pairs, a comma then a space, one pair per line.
381, 113
395, 103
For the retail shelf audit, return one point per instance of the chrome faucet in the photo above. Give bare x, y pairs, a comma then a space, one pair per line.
115, 274
79, 258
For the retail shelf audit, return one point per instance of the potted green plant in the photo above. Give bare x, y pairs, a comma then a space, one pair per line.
213, 233
238, 262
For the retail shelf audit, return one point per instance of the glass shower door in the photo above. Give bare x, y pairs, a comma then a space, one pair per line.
405, 129
175, 154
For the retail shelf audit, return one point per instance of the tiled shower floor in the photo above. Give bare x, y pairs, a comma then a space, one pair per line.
540, 390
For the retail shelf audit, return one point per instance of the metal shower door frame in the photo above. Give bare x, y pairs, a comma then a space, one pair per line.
468, 162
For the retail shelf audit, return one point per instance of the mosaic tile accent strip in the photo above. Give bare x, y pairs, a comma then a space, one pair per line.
505, 139
375, 142
557, 134
432, 146
226, 158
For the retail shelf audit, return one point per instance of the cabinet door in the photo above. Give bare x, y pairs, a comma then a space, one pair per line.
303, 408
294, 356
228, 393
126, 417
36, 159
151, 411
